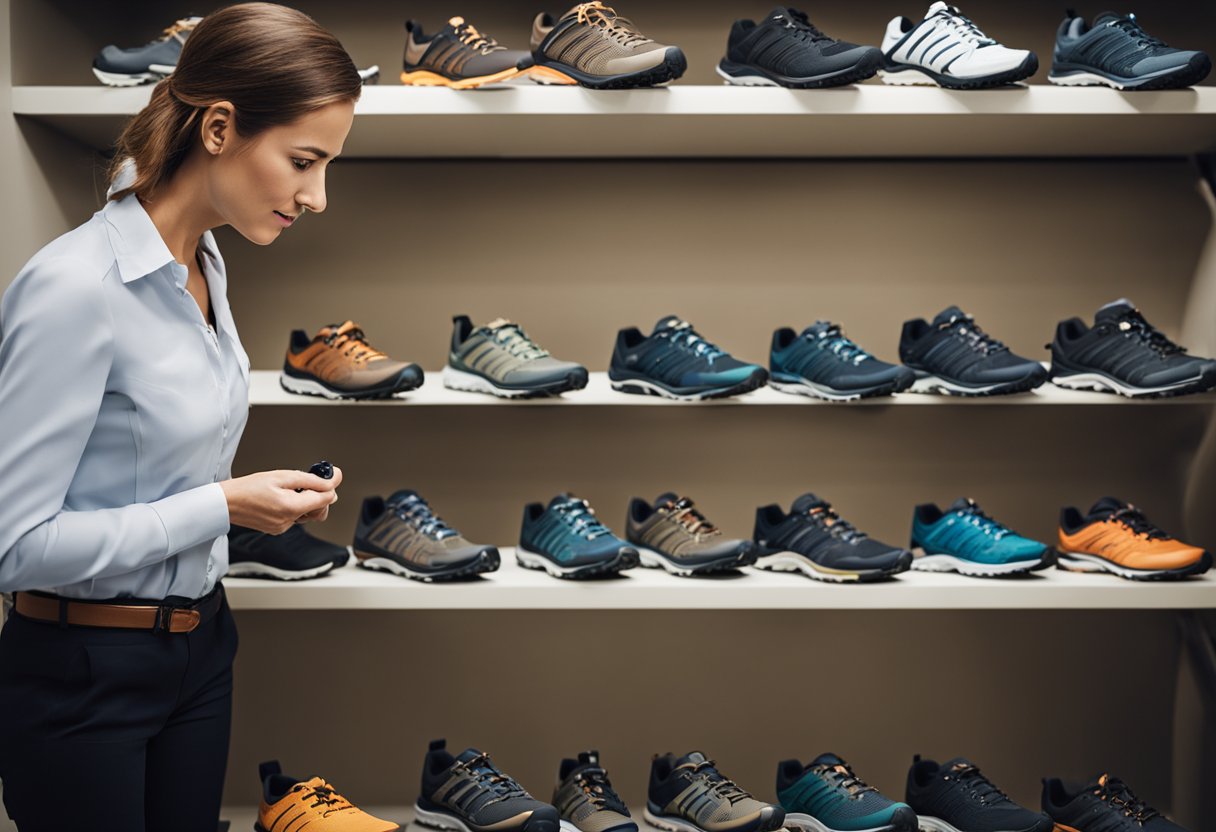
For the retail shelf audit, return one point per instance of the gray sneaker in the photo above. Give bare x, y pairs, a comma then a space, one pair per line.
499, 358
117, 67
594, 46
671, 534
403, 536
586, 800
689, 794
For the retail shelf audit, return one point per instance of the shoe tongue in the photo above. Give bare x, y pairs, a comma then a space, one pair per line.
1114, 310
1107, 17
692, 758
940, 7
785, 13
1107, 505
822, 329
669, 322
562, 499
827, 760
948, 314
499, 323
337, 329
468, 755
807, 502
402, 496
668, 497
964, 504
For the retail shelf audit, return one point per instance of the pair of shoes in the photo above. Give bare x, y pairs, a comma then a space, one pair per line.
590, 45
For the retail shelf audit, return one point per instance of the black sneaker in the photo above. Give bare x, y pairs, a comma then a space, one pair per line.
293, 555
956, 797
1123, 353
814, 540
1116, 52
677, 363
468, 794
1104, 805
953, 356
824, 364
786, 49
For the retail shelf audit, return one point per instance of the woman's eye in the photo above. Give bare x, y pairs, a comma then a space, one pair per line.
302, 164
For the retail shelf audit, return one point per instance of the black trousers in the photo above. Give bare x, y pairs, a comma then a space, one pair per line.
112, 729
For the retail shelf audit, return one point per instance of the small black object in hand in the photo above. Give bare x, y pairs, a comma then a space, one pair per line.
322, 469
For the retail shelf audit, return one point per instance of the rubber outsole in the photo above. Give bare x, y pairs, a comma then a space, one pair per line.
945, 387
748, 75
961, 566
1185, 76
487, 561
801, 387
450, 823
654, 559
1100, 382
473, 382
404, 382
903, 819
779, 560
263, 571
1088, 562
673, 66
650, 387
429, 78
626, 559
893, 73
769, 820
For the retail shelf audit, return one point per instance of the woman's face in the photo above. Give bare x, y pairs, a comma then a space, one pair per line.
261, 185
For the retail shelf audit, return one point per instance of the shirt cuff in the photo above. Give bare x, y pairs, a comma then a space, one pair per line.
193, 517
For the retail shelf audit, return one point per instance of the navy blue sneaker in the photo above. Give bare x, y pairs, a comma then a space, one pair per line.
826, 796
1116, 52
567, 540
824, 364
956, 797
468, 793
1123, 353
965, 540
814, 540
117, 67
1104, 805
677, 363
786, 49
953, 356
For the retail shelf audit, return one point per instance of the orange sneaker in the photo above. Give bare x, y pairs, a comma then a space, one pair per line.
293, 804
1116, 537
338, 363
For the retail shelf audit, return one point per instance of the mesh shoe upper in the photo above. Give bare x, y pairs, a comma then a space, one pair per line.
814, 530
595, 40
404, 528
953, 347
569, 532
584, 796
458, 50
949, 44
503, 352
691, 787
827, 789
293, 549
787, 43
677, 356
1105, 804
957, 793
471, 787
964, 531
164, 51
672, 525
1117, 45
823, 355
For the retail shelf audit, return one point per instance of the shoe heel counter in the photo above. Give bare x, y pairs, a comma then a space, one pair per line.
908, 335
761, 529
462, 327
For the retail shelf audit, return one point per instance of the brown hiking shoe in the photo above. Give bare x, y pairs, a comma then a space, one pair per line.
594, 46
338, 363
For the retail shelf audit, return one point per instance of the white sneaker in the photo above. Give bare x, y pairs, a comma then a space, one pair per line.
948, 50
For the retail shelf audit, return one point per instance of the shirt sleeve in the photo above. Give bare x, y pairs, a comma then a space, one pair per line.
56, 352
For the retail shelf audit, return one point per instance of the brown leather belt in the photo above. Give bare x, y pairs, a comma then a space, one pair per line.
163, 617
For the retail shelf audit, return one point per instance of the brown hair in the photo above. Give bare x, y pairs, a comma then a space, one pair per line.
272, 62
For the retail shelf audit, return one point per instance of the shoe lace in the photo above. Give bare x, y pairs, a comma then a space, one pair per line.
980, 787
843, 774
594, 783
833, 339
1137, 523
965, 27
580, 516
487, 776
1143, 39
975, 516
1134, 324
803, 29
415, 510
471, 37
620, 29
324, 797
684, 336
351, 342
1116, 792
826, 518
719, 786
966, 328
514, 340
684, 512
179, 30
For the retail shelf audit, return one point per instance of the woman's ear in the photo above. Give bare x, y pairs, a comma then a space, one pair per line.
217, 129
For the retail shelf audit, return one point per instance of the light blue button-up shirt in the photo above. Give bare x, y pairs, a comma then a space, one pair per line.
120, 412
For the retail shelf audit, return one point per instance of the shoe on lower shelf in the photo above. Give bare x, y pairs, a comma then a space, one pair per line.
403, 536
586, 800
1105, 804
956, 797
294, 555
288, 804
963, 539
1116, 537
826, 796
468, 793
671, 534
689, 794
567, 540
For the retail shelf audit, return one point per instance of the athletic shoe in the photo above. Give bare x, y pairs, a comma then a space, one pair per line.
594, 46
948, 50
370, 76
1123, 353
567, 540
1104, 805
953, 356
677, 363
824, 364
403, 536
965, 540
689, 794
117, 67
956, 797
338, 363
291, 556
458, 56
826, 796
586, 800
814, 540
1116, 537
1116, 52
289, 804
671, 534
468, 794
499, 358
787, 50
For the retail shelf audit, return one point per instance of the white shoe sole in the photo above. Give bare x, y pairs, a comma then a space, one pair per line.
815, 391
949, 563
253, 569
794, 562
454, 379
1105, 384
1080, 562
807, 823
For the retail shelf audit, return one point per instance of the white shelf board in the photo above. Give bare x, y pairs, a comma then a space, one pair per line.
266, 391
869, 120
515, 588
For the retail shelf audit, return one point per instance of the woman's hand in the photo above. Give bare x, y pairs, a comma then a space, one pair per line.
270, 503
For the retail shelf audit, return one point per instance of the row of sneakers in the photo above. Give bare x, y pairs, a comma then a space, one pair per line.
402, 535
467, 792
952, 355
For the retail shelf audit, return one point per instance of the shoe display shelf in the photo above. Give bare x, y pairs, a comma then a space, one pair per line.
742, 209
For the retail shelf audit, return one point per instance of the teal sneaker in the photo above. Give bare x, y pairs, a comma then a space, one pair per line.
826, 796
567, 540
965, 540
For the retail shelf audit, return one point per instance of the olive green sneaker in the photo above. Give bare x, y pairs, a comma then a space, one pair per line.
671, 534
499, 358
594, 46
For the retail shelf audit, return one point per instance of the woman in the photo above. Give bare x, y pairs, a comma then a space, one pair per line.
123, 393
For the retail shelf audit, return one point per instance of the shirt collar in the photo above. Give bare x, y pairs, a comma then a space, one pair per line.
138, 247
